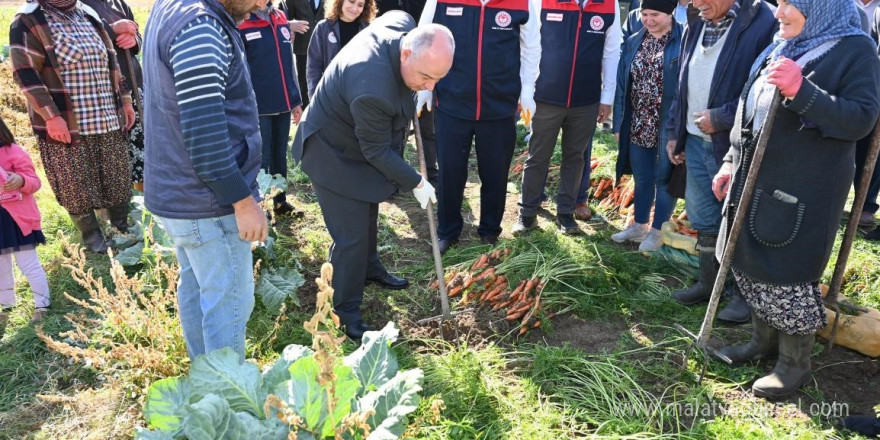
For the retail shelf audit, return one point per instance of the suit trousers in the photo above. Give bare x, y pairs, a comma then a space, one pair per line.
301, 78
352, 225
494, 142
862, 147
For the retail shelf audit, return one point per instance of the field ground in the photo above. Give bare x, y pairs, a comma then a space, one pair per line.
610, 366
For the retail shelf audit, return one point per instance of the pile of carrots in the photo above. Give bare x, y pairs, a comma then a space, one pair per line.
683, 226
519, 164
484, 285
617, 198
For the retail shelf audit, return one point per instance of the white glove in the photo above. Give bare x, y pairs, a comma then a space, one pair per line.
424, 98
425, 192
527, 107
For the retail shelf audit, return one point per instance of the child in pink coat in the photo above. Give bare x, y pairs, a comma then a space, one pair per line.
20, 231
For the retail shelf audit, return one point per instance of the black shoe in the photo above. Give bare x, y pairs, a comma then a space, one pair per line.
873, 235
489, 239
567, 225
444, 245
524, 224
868, 426
737, 310
356, 330
281, 207
388, 281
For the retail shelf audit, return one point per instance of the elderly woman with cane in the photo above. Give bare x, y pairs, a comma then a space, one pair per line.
826, 69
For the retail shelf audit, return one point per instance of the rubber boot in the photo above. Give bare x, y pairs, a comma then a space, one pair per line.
763, 345
737, 310
92, 237
702, 290
792, 370
119, 217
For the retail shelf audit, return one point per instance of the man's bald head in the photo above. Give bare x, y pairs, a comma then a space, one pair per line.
426, 56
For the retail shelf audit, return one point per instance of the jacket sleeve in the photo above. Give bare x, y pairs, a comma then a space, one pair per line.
28, 57
849, 113
372, 126
619, 96
315, 64
24, 167
428, 13
530, 49
610, 58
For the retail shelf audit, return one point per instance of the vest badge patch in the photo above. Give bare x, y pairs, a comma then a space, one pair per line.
503, 19
454, 11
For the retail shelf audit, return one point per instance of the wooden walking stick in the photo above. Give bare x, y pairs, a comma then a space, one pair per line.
852, 226
702, 339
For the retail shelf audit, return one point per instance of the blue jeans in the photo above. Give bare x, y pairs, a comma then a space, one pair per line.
275, 131
703, 209
585, 176
651, 170
215, 292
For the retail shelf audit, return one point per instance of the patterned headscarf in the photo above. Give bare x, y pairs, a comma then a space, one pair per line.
61, 5
827, 20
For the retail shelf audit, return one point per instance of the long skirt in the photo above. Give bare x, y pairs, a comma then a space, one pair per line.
95, 173
136, 146
796, 309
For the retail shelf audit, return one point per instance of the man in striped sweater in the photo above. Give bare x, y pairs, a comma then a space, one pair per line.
202, 155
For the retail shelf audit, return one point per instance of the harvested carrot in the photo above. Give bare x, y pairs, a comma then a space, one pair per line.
435, 285
496, 291
481, 262
455, 291
628, 198
523, 330
536, 324
488, 274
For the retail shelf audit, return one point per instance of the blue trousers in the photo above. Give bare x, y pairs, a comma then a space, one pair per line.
275, 131
703, 209
494, 142
651, 170
215, 292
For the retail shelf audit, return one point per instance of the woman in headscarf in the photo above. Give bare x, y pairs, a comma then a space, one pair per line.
79, 108
827, 71
123, 30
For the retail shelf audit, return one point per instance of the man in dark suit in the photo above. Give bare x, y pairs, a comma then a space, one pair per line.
344, 142
303, 16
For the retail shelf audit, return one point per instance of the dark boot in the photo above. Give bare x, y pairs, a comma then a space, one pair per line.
763, 345
119, 217
281, 207
737, 310
702, 290
792, 370
92, 237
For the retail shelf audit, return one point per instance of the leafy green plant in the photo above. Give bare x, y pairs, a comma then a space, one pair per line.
311, 392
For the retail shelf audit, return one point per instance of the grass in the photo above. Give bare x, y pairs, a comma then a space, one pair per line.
622, 374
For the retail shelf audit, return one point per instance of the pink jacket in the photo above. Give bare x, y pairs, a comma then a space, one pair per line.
25, 212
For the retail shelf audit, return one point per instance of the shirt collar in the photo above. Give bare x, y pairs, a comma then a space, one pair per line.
729, 17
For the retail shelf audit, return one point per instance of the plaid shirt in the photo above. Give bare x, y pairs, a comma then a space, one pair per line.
83, 55
37, 71
713, 32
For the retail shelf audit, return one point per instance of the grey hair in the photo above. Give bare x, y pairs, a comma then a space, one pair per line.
420, 39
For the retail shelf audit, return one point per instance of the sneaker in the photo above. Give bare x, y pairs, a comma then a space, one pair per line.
39, 314
652, 242
636, 232
524, 224
567, 225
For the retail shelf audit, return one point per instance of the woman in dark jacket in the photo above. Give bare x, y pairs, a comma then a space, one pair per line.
118, 20
344, 19
647, 77
826, 69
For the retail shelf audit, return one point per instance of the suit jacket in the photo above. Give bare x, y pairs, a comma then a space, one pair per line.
360, 110
303, 10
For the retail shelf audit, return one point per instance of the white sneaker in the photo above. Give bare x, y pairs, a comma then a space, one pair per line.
653, 242
636, 232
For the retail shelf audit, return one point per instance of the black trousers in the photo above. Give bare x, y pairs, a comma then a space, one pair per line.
494, 142
301, 78
353, 226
